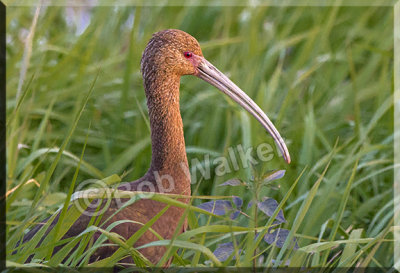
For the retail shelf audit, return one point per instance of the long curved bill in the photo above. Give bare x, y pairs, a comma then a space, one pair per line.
210, 74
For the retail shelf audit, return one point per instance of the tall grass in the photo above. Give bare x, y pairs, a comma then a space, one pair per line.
323, 75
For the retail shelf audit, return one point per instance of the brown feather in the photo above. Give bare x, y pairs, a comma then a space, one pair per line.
162, 66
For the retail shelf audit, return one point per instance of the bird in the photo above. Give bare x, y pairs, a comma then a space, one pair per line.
169, 55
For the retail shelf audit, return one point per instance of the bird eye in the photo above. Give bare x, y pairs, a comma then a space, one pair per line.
187, 54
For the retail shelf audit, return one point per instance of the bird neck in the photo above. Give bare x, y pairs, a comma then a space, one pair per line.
167, 139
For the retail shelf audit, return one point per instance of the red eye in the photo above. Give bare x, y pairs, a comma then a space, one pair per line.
187, 54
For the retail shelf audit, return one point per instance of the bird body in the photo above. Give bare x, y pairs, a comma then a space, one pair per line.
169, 55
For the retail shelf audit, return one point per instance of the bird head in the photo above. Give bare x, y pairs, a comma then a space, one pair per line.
174, 52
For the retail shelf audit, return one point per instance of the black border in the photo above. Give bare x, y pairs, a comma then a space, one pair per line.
2, 133
206, 269
3, 179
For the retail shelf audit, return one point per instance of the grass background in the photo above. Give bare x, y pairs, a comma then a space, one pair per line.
324, 75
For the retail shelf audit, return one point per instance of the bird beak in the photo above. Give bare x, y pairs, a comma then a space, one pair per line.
209, 73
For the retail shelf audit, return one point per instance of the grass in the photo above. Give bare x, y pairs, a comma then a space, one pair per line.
323, 74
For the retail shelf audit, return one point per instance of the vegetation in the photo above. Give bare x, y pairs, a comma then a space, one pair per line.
76, 110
